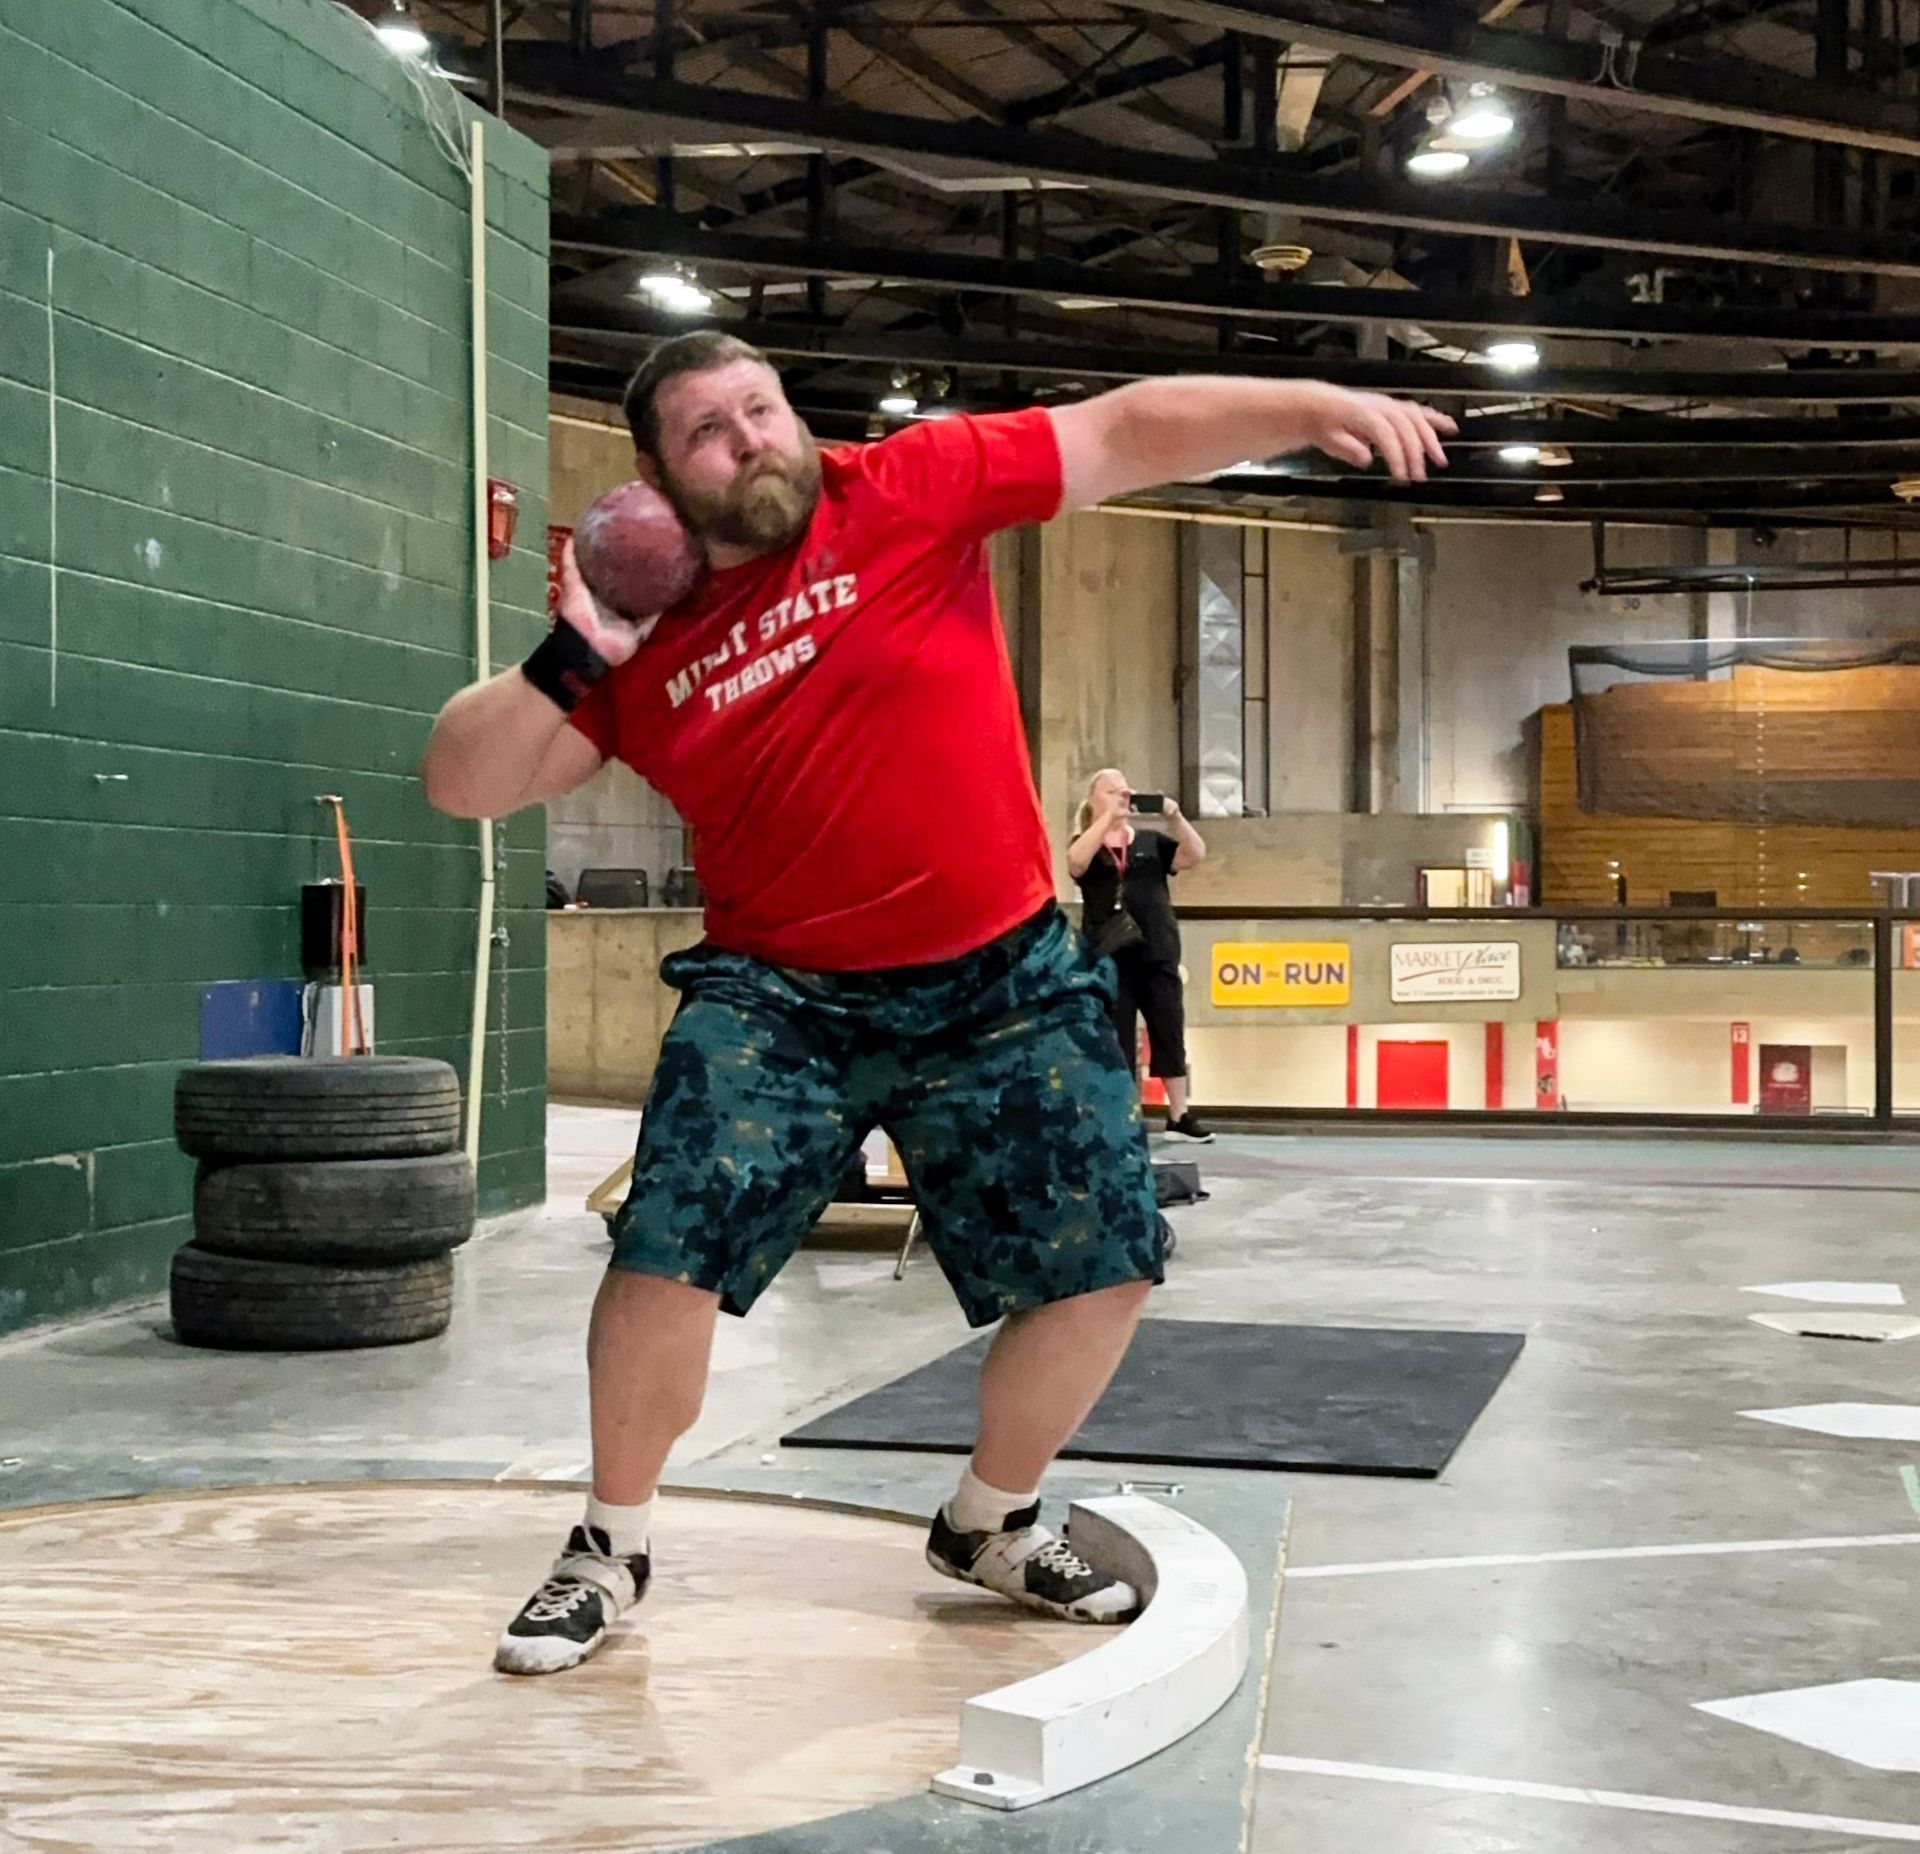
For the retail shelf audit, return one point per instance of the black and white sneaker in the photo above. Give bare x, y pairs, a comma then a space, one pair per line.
1191, 1128
1025, 1562
567, 1618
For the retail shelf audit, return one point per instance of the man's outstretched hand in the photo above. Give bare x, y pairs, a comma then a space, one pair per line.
1354, 428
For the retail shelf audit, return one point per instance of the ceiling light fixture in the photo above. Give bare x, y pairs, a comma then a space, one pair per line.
1437, 163
1511, 356
676, 294
1484, 118
1519, 453
1548, 495
1279, 259
400, 35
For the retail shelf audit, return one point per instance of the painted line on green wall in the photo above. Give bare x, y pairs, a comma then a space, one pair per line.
53, 503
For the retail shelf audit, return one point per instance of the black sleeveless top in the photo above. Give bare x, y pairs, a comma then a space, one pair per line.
1150, 902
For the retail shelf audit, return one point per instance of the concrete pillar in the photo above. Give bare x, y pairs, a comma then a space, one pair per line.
1376, 675
1391, 684
1413, 783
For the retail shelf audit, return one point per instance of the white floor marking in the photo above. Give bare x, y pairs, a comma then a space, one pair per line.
853, 1274
1596, 1799
1842, 1293
1883, 1422
546, 1464
1870, 1327
1501, 1560
1875, 1723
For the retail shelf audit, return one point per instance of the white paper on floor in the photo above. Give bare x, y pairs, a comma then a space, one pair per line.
1844, 1293
1870, 1722
853, 1274
1886, 1422
1870, 1326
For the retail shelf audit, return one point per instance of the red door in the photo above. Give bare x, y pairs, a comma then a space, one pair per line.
1411, 1074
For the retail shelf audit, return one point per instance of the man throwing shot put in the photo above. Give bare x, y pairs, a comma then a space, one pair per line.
814, 710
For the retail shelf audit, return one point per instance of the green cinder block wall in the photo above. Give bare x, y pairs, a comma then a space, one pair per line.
245, 580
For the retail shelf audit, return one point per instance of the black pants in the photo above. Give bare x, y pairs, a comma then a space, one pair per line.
1151, 989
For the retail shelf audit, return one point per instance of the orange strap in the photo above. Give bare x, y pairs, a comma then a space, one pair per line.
353, 1035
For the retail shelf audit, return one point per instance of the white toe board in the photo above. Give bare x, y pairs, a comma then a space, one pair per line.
1146, 1687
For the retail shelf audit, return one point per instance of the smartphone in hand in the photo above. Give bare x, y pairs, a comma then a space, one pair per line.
1149, 804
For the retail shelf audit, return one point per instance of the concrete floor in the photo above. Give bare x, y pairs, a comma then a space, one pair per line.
1536, 1686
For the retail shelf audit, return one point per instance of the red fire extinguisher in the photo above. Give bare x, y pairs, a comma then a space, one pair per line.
503, 513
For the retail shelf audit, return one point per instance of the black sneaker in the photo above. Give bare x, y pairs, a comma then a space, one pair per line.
1025, 1562
1191, 1128
567, 1618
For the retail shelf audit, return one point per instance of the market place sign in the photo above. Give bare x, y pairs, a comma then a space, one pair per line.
1455, 971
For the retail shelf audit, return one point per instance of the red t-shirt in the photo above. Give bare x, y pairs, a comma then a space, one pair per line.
838, 721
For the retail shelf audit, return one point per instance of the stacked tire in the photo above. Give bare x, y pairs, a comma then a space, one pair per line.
331, 1195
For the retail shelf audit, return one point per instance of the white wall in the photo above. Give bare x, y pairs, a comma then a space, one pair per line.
1264, 1065
1250, 1065
1658, 1063
1688, 1062
1836, 611
1503, 603
1678, 1065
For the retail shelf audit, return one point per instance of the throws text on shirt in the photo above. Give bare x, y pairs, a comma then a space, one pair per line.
823, 595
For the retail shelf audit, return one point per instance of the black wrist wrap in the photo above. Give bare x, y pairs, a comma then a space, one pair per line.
564, 667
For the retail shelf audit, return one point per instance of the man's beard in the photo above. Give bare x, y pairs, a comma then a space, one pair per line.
765, 508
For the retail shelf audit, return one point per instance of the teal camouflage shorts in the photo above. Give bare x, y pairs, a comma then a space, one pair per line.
996, 1075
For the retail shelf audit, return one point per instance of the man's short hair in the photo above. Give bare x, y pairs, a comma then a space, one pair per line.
700, 352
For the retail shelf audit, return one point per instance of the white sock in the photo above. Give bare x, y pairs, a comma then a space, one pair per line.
976, 1507
628, 1528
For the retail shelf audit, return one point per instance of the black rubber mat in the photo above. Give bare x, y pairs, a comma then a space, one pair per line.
1222, 1394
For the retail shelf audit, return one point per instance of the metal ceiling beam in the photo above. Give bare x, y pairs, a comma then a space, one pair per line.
1758, 495
1146, 104
1643, 432
1176, 499
1114, 86
1226, 179
898, 48
1874, 464
1684, 24
1128, 86
1434, 38
658, 234
585, 329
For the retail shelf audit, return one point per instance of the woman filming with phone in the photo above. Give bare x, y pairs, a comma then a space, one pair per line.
1127, 914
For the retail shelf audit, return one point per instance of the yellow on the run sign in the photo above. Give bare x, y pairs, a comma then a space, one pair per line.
1301, 973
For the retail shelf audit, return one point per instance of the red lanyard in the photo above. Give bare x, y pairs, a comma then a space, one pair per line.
1120, 860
